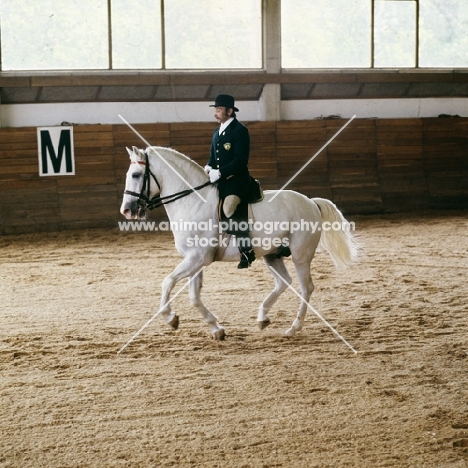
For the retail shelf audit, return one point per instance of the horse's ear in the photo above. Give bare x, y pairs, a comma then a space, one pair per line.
135, 150
129, 151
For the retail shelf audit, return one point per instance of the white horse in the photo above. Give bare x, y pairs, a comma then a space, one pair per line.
160, 175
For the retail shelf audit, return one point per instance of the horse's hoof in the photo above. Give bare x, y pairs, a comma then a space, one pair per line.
219, 335
290, 332
174, 323
262, 324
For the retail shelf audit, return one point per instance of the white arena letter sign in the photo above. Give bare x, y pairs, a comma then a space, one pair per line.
56, 152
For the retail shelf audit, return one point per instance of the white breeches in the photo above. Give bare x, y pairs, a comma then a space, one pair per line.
230, 205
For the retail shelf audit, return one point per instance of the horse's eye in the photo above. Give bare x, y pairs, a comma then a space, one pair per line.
136, 176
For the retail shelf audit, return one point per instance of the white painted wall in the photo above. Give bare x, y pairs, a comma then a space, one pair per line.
35, 115
369, 108
32, 115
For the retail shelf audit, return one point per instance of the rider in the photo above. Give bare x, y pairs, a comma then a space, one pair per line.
229, 156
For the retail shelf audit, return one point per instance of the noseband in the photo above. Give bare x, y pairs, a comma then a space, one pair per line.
148, 203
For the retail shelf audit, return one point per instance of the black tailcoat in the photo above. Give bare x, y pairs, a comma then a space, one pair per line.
230, 153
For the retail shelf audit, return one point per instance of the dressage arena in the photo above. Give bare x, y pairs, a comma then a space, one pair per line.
361, 103
72, 299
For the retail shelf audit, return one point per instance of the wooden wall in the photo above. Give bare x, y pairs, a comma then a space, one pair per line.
374, 166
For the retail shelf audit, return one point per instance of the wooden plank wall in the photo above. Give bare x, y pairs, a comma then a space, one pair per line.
374, 166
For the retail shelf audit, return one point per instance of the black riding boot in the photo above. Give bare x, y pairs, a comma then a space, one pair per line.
247, 254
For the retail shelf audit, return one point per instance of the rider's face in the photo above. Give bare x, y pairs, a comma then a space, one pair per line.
221, 114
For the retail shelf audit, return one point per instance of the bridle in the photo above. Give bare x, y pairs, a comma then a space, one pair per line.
144, 199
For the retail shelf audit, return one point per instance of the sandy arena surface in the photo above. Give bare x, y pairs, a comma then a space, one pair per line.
70, 300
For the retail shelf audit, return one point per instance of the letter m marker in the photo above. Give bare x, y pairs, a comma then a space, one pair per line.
56, 152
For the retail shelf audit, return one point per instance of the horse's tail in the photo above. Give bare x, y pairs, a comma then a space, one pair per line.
336, 236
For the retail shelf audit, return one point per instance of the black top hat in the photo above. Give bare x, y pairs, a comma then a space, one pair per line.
225, 100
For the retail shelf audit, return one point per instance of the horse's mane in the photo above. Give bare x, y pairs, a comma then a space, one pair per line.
177, 159
181, 160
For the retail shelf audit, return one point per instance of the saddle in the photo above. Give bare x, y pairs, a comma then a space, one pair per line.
255, 195
255, 191
243, 213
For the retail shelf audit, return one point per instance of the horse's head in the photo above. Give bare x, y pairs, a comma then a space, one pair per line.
138, 187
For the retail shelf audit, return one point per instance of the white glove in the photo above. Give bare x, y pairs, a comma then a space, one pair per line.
208, 169
214, 175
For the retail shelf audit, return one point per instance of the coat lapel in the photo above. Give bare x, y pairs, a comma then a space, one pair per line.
227, 130
216, 136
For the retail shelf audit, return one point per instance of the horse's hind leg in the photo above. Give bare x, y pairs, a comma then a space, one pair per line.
195, 299
278, 267
307, 287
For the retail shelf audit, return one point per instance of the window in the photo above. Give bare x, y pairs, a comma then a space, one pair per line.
443, 33
227, 34
325, 33
119, 34
213, 34
395, 33
136, 34
374, 33
53, 34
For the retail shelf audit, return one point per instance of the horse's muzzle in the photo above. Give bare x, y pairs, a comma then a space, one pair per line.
134, 210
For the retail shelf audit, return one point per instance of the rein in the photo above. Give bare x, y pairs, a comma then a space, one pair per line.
157, 200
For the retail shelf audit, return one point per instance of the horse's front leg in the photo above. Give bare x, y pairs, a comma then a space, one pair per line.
188, 267
196, 282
